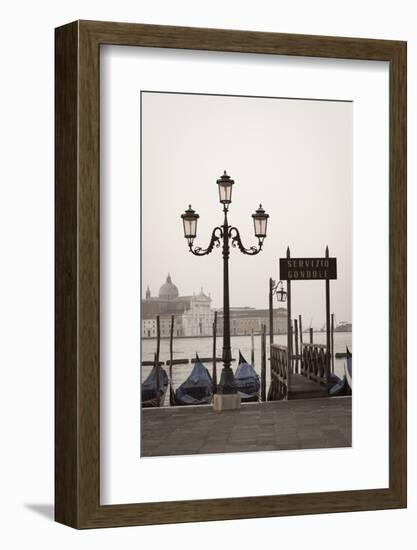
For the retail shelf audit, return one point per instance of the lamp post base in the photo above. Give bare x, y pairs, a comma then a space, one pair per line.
226, 402
227, 384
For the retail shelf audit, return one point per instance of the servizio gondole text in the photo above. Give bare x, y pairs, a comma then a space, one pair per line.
307, 268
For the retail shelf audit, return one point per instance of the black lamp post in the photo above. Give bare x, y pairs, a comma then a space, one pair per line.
225, 234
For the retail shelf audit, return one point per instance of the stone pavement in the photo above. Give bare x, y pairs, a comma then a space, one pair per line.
279, 425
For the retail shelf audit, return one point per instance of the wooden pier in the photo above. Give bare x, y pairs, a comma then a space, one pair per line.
290, 382
271, 426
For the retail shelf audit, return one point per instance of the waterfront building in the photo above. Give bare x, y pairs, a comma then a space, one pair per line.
245, 319
193, 315
343, 326
198, 319
149, 328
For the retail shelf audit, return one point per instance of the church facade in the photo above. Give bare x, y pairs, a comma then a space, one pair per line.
193, 315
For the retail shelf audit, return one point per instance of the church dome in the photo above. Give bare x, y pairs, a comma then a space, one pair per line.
168, 290
203, 296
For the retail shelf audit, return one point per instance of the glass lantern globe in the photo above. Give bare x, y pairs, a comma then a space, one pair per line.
260, 220
189, 220
225, 184
281, 293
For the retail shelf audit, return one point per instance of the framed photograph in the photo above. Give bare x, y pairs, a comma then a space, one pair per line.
230, 240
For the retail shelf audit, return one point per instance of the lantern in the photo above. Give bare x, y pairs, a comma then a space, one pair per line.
225, 184
189, 220
281, 294
260, 220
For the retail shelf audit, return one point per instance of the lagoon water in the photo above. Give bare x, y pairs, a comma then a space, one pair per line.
186, 348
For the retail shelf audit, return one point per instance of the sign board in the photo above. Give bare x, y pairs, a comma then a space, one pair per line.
307, 269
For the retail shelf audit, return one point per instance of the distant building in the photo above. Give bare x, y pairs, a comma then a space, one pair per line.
198, 319
148, 328
245, 319
193, 315
343, 326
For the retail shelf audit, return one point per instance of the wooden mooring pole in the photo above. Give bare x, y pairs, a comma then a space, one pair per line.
171, 339
327, 327
214, 374
158, 335
158, 342
252, 349
332, 342
311, 335
296, 345
289, 338
263, 364
271, 312
300, 323
158, 381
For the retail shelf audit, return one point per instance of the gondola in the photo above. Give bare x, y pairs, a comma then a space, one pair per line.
348, 368
149, 390
197, 389
247, 381
338, 386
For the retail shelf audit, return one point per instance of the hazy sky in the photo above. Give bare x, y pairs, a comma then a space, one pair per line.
293, 156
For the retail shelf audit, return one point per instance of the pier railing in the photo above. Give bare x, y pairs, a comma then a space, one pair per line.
310, 381
280, 373
313, 363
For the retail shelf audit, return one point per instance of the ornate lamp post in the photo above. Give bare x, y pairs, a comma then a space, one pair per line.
225, 234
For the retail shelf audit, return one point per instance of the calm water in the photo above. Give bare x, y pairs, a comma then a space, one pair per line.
185, 348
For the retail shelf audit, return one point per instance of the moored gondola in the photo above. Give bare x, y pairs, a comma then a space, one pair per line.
247, 381
149, 388
348, 368
197, 388
338, 386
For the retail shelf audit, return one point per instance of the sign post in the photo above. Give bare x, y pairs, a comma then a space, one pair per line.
289, 335
327, 327
308, 269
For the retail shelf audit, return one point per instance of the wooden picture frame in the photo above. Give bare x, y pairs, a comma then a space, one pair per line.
77, 374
